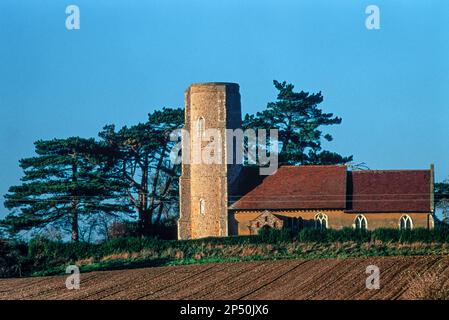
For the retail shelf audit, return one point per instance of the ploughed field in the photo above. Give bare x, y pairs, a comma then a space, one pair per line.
400, 278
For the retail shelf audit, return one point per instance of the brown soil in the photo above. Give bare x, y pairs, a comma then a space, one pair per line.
285, 279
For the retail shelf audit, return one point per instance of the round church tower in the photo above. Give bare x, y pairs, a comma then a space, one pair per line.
210, 109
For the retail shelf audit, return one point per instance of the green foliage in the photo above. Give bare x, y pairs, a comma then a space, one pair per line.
331, 235
298, 119
441, 192
312, 235
141, 159
72, 180
269, 235
437, 235
69, 251
66, 181
442, 199
386, 234
13, 261
441, 233
42, 256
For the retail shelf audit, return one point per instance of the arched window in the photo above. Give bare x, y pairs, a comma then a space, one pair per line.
360, 222
202, 206
200, 127
405, 223
321, 221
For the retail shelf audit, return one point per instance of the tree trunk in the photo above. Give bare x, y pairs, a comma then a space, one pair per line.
75, 232
144, 219
75, 227
161, 204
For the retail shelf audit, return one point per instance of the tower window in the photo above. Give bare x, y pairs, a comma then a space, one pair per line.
202, 206
200, 127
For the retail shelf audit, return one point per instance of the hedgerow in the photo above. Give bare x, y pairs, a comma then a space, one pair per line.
42, 255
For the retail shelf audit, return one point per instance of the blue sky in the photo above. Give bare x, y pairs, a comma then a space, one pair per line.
390, 86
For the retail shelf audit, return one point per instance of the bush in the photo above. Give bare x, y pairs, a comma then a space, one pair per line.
331, 235
348, 234
122, 229
49, 254
41, 254
269, 235
385, 235
13, 261
438, 234
312, 235
441, 233
129, 244
417, 235
166, 230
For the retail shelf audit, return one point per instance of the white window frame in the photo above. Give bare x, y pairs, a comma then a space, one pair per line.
406, 218
358, 219
319, 218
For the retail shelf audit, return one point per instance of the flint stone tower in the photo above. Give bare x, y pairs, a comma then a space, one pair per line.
205, 188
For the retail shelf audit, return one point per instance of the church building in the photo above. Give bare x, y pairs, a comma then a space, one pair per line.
222, 199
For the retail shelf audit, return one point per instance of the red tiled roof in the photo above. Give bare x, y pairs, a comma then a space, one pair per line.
333, 187
299, 187
389, 191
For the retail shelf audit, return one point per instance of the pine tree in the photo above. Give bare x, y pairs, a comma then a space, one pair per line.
298, 119
142, 162
66, 181
442, 199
